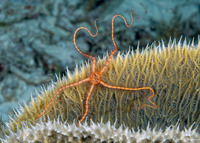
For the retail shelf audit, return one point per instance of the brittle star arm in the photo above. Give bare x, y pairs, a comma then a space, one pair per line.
93, 35
52, 106
115, 45
134, 89
87, 103
58, 91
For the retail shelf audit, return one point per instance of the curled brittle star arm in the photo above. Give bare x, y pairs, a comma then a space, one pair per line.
58, 91
87, 103
134, 89
115, 45
93, 35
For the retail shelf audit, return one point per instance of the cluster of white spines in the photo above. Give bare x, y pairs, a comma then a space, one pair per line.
100, 132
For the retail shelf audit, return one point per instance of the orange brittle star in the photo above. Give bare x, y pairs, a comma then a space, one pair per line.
95, 77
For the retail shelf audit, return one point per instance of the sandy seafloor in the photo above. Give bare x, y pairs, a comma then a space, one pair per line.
36, 37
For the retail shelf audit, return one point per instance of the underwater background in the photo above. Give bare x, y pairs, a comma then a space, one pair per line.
36, 37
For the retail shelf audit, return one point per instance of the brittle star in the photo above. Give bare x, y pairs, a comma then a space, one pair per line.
95, 77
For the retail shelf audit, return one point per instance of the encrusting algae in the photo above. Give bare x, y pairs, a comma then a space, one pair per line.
171, 73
